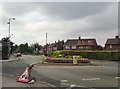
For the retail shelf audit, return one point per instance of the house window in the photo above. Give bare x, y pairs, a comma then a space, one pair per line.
82, 41
50, 48
87, 47
54, 48
81, 47
67, 47
89, 41
110, 46
73, 47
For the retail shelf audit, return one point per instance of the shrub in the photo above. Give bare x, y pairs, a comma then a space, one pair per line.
67, 57
100, 55
70, 56
78, 57
50, 53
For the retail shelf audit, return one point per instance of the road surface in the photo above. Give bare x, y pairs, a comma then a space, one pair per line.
104, 75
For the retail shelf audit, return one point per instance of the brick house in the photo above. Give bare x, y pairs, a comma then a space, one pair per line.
53, 46
113, 43
80, 44
70, 44
56, 46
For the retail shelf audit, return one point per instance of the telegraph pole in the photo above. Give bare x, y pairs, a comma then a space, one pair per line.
46, 44
46, 38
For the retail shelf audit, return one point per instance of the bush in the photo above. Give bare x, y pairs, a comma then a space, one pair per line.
99, 55
78, 57
67, 57
58, 54
50, 53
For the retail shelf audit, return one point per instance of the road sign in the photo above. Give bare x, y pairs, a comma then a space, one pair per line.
75, 60
25, 76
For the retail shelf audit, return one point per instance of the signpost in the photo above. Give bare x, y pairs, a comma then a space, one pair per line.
75, 60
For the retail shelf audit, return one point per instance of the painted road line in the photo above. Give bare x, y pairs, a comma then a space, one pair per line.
117, 77
91, 79
65, 84
73, 85
62, 81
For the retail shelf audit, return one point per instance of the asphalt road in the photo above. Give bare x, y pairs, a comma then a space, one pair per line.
105, 75
93, 76
11, 70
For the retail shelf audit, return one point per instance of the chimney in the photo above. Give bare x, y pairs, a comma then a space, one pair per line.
116, 37
79, 37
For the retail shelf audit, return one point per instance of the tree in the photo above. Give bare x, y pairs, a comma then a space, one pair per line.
26, 49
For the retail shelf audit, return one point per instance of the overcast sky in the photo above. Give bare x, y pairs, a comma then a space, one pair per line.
61, 20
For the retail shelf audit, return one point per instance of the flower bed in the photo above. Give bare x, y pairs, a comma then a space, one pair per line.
65, 60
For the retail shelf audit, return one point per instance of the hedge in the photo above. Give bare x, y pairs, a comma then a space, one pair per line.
99, 55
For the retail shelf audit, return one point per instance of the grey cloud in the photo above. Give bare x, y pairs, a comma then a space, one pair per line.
107, 20
18, 8
74, 10
73, 14
57, 10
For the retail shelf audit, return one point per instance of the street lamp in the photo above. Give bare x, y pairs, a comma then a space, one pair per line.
9, 26
9, 46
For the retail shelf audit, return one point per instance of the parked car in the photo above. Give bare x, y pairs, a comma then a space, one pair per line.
17, 54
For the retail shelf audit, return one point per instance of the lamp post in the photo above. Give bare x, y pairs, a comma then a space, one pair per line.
9, 26
9, 35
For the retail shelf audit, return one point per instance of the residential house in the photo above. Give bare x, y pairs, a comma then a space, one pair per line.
56, 46
53, 46
113, 43
71, 44
80, 44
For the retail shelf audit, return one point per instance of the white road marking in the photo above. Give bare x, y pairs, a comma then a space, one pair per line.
117, 77
91, 79
72, 85
65, 84
62, 81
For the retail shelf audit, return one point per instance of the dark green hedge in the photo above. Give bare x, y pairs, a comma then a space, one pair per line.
99, 55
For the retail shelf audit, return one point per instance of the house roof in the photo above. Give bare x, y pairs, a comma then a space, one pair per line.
113, 41
71, 42
87, 42
52, 45
56, 43
81, 42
